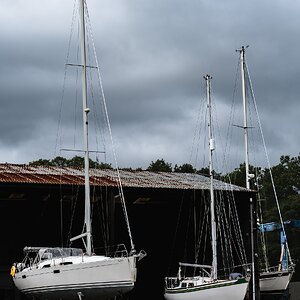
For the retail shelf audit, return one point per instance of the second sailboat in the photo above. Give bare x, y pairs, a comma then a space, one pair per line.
206, 283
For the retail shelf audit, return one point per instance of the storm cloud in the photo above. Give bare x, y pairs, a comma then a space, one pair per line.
153, 55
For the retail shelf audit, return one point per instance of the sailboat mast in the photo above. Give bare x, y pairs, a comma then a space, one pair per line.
243, 67
242, 59
87, 214
212, 199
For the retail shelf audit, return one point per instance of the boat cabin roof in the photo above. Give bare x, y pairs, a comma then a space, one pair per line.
54, 252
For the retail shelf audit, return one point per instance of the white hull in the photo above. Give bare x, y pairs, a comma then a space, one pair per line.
228, 290
272, 282
100, 279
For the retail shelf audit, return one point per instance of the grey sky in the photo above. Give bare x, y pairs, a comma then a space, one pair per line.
153, 55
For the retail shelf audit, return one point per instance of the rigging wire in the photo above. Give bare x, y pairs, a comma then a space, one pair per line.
205, 228
230, 123
59, 133
240, 249
57, 141
262, 234
199, 127
98, 131
97, 125
185, 253
175, 233
91, 89
102, 213
76, 94
225, 223
268, 161
120, 187
254, 144
73, 209
228, 222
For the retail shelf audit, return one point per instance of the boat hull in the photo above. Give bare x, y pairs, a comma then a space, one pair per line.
274, 282
94, 280
228, 290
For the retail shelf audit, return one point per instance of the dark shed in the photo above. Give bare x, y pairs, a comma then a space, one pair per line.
37, 207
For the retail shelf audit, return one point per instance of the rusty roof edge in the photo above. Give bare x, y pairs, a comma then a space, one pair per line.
133, 178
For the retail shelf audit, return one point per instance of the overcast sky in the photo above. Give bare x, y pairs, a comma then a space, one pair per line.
153, 55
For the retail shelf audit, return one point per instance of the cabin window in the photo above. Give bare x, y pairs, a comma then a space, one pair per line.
66, 263
46, 266
46, 256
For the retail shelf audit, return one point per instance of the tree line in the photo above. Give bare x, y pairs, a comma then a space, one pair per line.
160, 165
74, 162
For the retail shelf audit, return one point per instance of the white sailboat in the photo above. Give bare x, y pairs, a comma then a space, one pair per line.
207, 285
272, 280
275, 280
71, 273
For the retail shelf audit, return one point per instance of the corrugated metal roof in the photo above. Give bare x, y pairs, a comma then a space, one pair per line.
16, 173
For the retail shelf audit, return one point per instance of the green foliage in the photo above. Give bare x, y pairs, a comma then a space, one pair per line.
286, 175
185, 168
74, 162
203, 171
160, 166
77, 162
41, 162
59, 161
101, 165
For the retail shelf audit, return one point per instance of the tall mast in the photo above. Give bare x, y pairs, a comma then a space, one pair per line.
243, 67
243, 63
87, 212
212, 200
